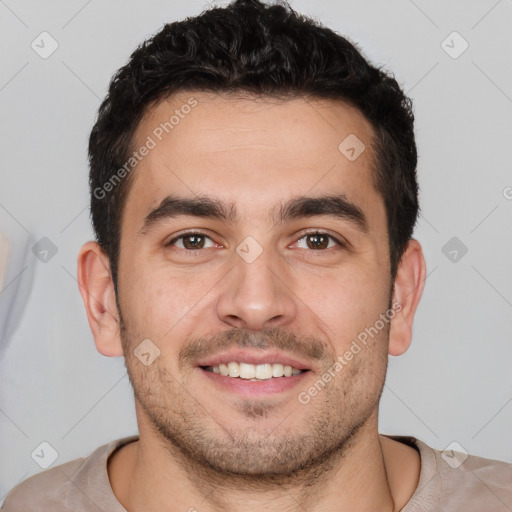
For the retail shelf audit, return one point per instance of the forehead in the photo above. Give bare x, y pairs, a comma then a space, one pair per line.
252, 152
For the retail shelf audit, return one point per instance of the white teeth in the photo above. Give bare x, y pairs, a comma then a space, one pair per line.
277, 370
247, 371
255, 372
234, 369
263, 371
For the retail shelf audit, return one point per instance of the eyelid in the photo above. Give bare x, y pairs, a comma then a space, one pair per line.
340, 241
316, 231
189, 233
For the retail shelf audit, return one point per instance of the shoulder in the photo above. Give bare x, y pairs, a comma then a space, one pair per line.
79, 485
457, 481
477, 483
43, 490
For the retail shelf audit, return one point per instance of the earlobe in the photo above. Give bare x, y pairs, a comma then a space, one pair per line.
408, 288
97, 291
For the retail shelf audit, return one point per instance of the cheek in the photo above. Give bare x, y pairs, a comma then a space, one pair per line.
162, 303
348, 302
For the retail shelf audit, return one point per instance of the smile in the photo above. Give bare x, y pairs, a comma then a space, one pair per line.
256, 372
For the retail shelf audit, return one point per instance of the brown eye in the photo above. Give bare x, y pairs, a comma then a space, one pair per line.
318, 241
191, 241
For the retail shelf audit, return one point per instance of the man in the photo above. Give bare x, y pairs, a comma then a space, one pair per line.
254, 194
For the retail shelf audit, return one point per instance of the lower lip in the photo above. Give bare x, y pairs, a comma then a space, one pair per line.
251, 388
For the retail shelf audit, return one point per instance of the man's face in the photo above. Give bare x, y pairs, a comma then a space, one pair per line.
257, 287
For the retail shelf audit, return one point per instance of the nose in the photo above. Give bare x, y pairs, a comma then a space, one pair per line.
256, 295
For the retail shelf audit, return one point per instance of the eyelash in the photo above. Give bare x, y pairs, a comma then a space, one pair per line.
200, 233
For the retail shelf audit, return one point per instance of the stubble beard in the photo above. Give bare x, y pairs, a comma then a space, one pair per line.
298, 450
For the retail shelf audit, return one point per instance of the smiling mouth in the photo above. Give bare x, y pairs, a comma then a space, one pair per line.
254, 372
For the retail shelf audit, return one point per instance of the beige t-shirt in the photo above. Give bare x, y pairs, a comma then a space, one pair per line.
445, 484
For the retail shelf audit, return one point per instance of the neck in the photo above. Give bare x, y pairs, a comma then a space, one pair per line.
151, 475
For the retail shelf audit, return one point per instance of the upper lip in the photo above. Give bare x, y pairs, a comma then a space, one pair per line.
254, 356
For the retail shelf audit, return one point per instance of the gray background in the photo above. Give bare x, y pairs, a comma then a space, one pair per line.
454, 383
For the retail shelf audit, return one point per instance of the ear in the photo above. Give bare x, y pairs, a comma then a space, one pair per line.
97, 290
408, 288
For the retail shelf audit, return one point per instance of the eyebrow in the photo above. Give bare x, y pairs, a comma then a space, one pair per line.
176, 206
337, 206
